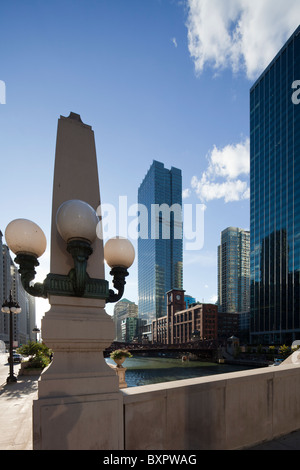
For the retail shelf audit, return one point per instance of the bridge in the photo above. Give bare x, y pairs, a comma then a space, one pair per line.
203, 349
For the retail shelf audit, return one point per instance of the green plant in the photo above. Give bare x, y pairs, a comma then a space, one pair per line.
32, 348
284, 351
40, 361
272, 351
119, 353
38, 353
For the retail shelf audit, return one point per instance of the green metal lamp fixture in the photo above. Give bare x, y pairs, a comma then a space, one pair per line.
76, 223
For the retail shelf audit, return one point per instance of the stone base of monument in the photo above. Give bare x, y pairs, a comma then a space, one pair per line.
79, 405
78, 422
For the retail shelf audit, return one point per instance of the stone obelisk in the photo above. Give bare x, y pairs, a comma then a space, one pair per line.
79, 405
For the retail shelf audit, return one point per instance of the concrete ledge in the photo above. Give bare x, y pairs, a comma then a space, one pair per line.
228, 411
31, 371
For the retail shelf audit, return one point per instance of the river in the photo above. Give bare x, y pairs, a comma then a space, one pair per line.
151, 370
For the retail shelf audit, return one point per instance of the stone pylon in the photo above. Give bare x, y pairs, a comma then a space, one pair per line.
79, 405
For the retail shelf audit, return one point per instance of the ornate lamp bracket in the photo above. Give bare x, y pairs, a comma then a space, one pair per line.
77, 283
76, 222
119, 282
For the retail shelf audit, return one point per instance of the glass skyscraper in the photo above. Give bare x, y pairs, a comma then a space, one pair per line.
275, 199
234, 271
160, 244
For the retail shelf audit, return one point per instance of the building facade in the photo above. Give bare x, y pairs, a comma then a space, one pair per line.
160, 245
129, 329
189, 300
182, 325
228, 325
10, 281
234, 271
122, 310
275, 199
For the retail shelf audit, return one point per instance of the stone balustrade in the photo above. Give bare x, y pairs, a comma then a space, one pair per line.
222, 412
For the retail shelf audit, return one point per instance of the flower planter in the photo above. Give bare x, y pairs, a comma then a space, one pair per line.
119, 361
119, 356
25, 370
32, 371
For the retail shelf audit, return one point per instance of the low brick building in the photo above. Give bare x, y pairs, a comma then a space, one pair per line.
182, 325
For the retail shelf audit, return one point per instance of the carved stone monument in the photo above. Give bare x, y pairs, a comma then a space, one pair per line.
79, 405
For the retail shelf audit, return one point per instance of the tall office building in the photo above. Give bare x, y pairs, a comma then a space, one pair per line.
275, 199
160, 242
24, 322
234, 271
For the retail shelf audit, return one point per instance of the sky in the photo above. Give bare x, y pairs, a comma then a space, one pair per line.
165, 80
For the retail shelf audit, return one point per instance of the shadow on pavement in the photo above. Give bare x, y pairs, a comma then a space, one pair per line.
23, 386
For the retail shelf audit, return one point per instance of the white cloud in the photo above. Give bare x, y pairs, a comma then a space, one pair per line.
213, 299
229, 190
240, 34
186, 193
231, 161
174, 41
220, 180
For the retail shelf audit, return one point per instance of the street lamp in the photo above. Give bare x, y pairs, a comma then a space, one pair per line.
76, 222
36, 331
11, 307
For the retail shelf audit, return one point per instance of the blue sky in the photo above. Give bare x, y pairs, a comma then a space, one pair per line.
156, 79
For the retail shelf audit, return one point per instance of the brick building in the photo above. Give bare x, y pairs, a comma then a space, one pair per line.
180, 325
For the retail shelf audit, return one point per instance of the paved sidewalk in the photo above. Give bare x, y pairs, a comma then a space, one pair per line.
16, 418
16, 413
289, 442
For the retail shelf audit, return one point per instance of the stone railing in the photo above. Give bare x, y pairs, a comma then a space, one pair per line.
224, 412
120, 372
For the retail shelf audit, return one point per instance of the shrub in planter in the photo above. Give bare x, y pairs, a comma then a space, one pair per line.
39, 361
120, 353
38, 353
119, 356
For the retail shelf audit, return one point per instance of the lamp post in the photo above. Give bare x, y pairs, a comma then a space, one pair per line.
76, 223
79, 404
11, 307
36, 331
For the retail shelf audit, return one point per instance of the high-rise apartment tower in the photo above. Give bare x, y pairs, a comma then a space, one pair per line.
234, 271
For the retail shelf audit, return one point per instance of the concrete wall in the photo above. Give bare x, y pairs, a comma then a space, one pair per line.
221, 412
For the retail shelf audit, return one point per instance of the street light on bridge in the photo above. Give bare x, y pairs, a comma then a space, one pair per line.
78, 383
76, 223
11, 307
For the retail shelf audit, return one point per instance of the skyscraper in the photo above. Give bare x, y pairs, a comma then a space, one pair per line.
275, 199
234, 271
10, 280
160, 241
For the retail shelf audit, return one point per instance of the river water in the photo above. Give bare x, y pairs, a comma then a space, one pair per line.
151, 370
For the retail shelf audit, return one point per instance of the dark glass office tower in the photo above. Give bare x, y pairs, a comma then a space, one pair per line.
160, 241
275, 200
